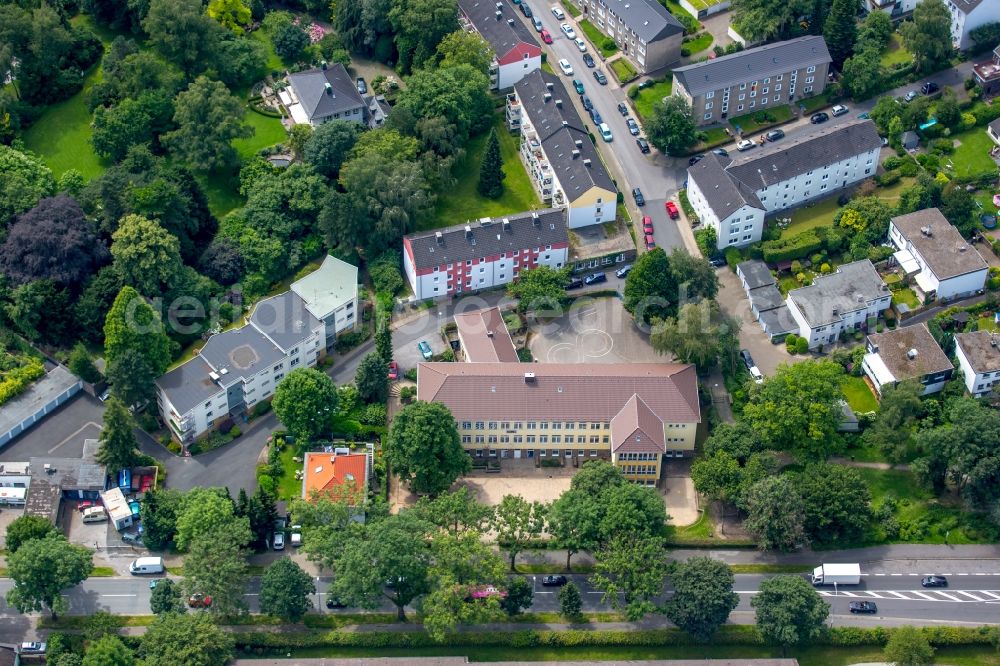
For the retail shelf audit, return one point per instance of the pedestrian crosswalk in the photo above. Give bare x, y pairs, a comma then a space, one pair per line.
953, 596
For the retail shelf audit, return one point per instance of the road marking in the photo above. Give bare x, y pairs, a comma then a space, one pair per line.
925, 596
968, 594
989, 594
948, 596
119, 595
74, 434
251, 594
900, 596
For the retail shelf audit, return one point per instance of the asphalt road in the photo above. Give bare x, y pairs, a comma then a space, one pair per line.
973, 598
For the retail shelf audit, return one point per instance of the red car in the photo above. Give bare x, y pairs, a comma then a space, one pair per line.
647, 225
650, 243
672, 210
199, 600
393, 371
546, 37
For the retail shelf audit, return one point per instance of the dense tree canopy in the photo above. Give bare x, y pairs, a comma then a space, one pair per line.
775, 517
285, 590
928, 35
329, 145
701, 334
306, 402
25, 528
419, 25
119, 448
182, 33
208, 118
24, 180
42, 568
146, 255
133, 326
192, 639
650, 288
539, 289
464, 47
671, 128
424, 449
703, 596
789, 611
835, 502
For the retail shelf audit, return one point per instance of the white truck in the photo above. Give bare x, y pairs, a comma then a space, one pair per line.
836, 574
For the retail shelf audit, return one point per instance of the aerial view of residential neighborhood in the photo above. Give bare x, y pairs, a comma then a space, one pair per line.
436, 332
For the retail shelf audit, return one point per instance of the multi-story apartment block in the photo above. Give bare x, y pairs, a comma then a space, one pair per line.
978, 355
894, 8
753, 80
633, 414
906, 353
484, 254
766, 302
330, 294
734, 195
848, 299
239, 368
516, 53
933, 252
644, 30
562, 162
967, 15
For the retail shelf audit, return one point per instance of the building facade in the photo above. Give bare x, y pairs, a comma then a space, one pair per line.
932, 251
908, 353
753, 80
561, 160
644, 30
967, 15
485, 254
317, 96
978, 355
894, 8
848, 299
516, 52
734, 195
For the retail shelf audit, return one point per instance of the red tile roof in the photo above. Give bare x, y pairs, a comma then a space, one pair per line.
484, 336
636, 429
336, 475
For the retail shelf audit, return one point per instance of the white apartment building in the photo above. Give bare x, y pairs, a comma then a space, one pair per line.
978, 355
967, 15
644, 30
734, 195
942, 264
894, 8
848, 299
516, 52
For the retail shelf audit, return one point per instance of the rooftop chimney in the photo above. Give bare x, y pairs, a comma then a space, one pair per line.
579, 143
468, 231
329, 89
506, 224
499, 14
529, 378
534, 219
489, 334
559, 103
549, 85
439, 237
323, 64
546, 97
927, 231
912, 354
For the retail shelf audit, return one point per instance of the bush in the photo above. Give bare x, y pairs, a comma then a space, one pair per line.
373, 415
385, 275
235, 432
685, 51
801, 346
351, 340
889, 177
733, 257
633, 92
909, 168
407, 394
260, 409
411, 374
790, 341
795, 247
891, 163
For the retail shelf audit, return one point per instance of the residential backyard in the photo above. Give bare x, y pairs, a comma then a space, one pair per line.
819, 214
895, 54
599, 40
906, 297
972, 153
858, 395
698, 43
650, 96
624, 70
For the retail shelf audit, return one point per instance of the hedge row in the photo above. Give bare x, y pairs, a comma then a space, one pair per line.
19, 379
803, 244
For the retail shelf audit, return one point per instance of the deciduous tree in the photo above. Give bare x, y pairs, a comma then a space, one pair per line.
703, 596
424, 449
570, 601
158, 511
182, 32
285, 590
208, 118
306, 402
108, 651
516, 522
701, 334
81, 365
671, 128
329, 145
456, 512
372, 379
203, 514
760, 20
25, 528
650, 287
166, 598
928, 36
630, 571
42, 568
419, 26
133, 326
464, 47
836, 503
146, 255
215, 565
775, 518
575, 521
541, 288
24, 181
231, 14
907, 646
789, 611
192, 639
289, 37
520, 595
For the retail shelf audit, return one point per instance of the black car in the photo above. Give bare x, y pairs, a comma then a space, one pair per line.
526, 10
333, 603
555, 581
599, 75
695, 159
588, 60
818, 118
934, 581
587, 104
929, 88
747, 359
774, 135
622, 109
721, 152
633, 127
574, 283
594, 278
362, 86
643, 144
596, 117
717, 261
863, 607
639, 199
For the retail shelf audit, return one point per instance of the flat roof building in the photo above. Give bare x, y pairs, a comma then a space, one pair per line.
978, 355
906, 353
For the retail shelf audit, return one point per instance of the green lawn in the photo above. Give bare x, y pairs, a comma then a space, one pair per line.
895, 54
597, 38
808, 217
703, 4
858, 395
813, 103
907, 297
699, 529
762, 119
715, 136
972, 154
987, 324
651, 96
699, 43
274, 63
462, 202
892, 193
624, 70
288, 486
571, 9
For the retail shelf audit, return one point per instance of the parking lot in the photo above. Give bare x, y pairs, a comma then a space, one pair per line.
61, 433
594, 331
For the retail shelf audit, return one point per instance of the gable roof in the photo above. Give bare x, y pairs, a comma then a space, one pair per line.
979, 350
944, 251
752, 64
755, 273
484, 336
561, 131
330, 473
488, 237
966, 6
724, 194
847, 289
504, 34
647, 18
284, 319
310, 89
637, 429
894, 347
329, 287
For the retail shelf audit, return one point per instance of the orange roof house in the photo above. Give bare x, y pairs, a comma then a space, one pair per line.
336, 475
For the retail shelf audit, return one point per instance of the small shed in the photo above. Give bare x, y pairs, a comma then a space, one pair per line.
117, 507
910, 140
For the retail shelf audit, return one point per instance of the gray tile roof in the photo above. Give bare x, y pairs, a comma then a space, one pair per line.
310, 88
188, 385
944, 251
240, 352
893, 347
755, 273
503, 34
777, 162
995, 125
724, 194
488, 239
752, 64
284, 319
846, 290
766, 298
559, 129
647, 18
967, 6
778, 321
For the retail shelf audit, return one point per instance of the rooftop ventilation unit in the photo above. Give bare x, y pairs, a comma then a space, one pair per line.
546, 97
529, 378
329, 88
579, 143
534, 219
439, 237
576, 154
587, 162
912, 354
549, 85
559, 103
214, 376
927, 231
468, 232
499, 15
506, 224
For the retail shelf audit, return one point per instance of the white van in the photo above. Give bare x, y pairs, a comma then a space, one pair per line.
95, 514
146, 565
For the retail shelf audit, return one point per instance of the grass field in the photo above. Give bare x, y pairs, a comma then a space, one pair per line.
624, 70
570, 8
907, 297
274, 63
987, 324
715, 136
288, 486
972, 155
819, 214
699, 43
749, 122
894, 54
651, 96
597, 38
858, 395
462, 202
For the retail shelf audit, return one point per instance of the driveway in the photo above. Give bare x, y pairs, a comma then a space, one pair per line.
61, 433
593, 331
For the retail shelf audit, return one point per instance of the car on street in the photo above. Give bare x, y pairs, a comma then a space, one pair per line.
32, 647
566, 68
672, 210
600, 78
393, 371
775, 135
595, 115
580, 44
647, 224
558, 13
588, 60
425, 350
537, 24
546, 37
594, 278
132, 538
333, 603
526, 10
818, 118
650, 242
587, 104
745, 144
578, 85
929, 88
934, 581
637, 195
721, 152
623, 271
643, 145
633, 127
863, 607
574, 283
568, 30
839, 110
605, 132
199, 600
279, 540
910, 96
104, 396
622, 108
362, 85
554, 581
747, 358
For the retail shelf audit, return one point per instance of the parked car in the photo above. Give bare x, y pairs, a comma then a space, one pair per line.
554, 581
333, 603
622, 108
587, 104
425, 350
32, 647
393, 371
929, 88
623, 271
600, 78
745, 144
568, 30
605, 132
910, 96
839, 110
695, 159
595, 278
637, 195
672, 210
580, 44
775, 135
647, 224
575, 283
650, 243
104, 396
721, 152
747, 358
633, 127
595, 115
717, 261
558, 13
199, 600
546, 37
643, 145
279, 541
934, 581
362, 85
756, 375
578, 85
538, 25
83, 505
588, 60
526, 10
863, 607
818, 118
566, 68
132, 538
296, 537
